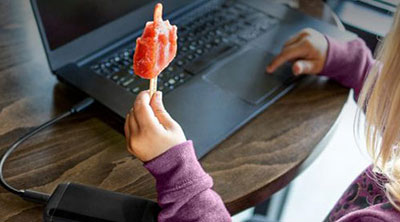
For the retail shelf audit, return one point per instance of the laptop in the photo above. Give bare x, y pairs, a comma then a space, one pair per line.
216, 83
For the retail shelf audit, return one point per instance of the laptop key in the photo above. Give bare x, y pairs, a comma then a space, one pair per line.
136, 90
107, 72
115, 78
171, 81
199, 51
179, 63
182, 75
115, 68
126, 63
121, 76
264, 24
127, 82
139, 85
190, 57
171, 68
95, 67
123, 79
249, 34
166, 89
192, 47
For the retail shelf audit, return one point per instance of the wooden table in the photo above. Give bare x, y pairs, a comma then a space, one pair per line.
89, 148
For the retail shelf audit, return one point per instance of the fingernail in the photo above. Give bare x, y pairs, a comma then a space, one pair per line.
159, 95
297, 69
270, 69
301, 68
146, 98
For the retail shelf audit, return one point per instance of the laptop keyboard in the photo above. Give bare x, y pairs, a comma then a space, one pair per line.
201, 42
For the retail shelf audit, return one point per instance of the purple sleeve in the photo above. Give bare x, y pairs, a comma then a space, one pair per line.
348, 63
184, 189
377, 213
364, 200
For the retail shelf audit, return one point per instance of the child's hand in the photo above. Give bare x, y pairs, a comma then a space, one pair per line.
149, 129
308, 51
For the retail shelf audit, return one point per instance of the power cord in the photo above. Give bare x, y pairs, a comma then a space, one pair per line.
32, 195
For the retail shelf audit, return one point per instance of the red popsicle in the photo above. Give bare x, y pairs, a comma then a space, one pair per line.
155, 49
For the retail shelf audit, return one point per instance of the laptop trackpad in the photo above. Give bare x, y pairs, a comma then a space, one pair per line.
244, 75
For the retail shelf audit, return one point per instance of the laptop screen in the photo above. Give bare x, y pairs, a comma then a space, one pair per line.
66, 20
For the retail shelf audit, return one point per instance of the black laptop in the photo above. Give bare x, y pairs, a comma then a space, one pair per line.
216, 83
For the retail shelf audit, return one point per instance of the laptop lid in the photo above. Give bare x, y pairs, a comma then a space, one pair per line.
73, 29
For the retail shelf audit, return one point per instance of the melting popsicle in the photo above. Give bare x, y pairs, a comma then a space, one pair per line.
155, 49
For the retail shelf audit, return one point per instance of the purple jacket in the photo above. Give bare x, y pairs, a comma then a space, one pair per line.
184, 189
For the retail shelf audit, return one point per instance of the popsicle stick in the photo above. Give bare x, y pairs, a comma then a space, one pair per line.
153, 86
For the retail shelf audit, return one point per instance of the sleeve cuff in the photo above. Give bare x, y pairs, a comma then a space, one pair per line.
336, 53
176, 168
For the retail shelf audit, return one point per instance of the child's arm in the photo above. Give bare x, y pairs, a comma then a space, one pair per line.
184, 189
313, 53
348, 63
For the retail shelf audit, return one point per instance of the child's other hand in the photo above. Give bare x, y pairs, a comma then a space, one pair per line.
307, 50
149, 129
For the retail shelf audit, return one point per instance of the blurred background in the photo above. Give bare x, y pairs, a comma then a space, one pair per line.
314, 192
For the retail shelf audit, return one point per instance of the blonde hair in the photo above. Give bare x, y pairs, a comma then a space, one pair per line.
380, 99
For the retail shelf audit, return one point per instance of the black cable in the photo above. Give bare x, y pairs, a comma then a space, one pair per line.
30, 194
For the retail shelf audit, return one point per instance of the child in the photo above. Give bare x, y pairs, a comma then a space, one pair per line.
184, 189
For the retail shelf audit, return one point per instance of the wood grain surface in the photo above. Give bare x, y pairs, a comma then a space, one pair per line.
89, 147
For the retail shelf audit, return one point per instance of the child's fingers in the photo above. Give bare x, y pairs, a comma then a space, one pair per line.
288, 53
131, 128
127, 131
143, 113
303, 67
126, 126
159, 110
132, 123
